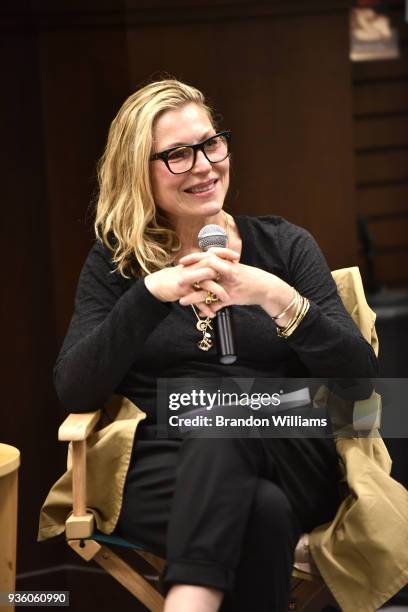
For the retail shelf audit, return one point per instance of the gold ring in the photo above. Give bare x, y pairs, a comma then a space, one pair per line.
211, 297
197, 286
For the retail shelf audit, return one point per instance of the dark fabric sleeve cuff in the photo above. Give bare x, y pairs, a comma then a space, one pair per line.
153, 310
317, 337
198, 573
329, 350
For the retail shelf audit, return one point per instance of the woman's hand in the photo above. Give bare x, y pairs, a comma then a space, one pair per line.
175, 283
244, 285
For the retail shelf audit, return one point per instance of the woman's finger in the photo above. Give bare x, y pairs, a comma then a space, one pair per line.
213, 268
195, 277
220, 266
197, 296
227, 254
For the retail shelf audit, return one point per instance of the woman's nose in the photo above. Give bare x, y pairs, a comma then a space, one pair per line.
201, 163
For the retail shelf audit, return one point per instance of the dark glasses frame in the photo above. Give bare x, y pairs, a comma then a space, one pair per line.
164, 155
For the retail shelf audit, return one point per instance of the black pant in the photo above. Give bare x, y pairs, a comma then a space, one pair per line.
227, 513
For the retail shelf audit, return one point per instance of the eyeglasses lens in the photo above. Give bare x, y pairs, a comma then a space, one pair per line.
182, 159
216, 149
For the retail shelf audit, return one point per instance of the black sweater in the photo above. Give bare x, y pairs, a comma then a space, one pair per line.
121, 338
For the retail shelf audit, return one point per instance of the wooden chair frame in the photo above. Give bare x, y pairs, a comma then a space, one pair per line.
306, 595
79, 526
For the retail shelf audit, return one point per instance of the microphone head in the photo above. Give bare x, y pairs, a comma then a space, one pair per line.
212, 236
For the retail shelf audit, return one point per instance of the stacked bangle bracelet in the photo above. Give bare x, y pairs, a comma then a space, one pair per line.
302, 305
288, 307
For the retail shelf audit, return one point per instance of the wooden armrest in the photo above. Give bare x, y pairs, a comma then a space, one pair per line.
75, 429
78, 426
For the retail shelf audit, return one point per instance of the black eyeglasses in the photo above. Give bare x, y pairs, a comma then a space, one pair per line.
182, 159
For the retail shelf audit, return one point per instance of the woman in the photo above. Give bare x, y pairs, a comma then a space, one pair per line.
226, 513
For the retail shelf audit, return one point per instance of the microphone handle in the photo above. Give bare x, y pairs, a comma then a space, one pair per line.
225, 338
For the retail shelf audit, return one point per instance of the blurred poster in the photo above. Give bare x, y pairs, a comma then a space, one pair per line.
372, 36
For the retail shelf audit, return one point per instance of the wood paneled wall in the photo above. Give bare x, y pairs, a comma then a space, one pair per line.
279, 73
29, 411
282, 83
380, 111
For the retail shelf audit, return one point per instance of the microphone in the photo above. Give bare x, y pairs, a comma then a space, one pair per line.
214, 236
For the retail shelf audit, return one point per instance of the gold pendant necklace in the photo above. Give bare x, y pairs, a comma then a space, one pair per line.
203, 325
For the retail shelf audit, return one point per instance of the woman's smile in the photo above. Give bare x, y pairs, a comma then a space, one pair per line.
203, 189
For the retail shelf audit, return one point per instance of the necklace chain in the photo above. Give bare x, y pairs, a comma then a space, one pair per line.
203, 325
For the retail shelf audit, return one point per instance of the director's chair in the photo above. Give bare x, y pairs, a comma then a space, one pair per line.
308, 593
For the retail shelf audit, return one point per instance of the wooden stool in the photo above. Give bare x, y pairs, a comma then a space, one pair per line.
9, 463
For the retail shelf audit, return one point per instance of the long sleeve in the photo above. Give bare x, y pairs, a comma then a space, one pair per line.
112, 320
121, 338
327, 342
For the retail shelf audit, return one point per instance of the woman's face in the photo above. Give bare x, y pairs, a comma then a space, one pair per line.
200, 192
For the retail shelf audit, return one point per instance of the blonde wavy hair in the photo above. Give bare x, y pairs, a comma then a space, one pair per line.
127, 219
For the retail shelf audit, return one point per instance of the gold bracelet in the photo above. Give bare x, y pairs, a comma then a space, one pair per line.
288, 331
285, 332
290, 327
302, 314
288, 307
298, 305
305, 308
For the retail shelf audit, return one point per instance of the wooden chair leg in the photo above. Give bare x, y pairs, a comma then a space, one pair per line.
121, 571
156, 562
305, 596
